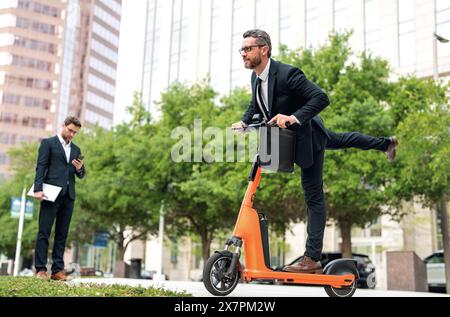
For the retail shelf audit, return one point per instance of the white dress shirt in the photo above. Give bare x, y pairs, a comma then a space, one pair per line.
65, 146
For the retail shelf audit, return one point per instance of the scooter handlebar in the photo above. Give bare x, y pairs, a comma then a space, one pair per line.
263, 124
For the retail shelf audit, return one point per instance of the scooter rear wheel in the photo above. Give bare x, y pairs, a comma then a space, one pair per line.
347, 291
214, 277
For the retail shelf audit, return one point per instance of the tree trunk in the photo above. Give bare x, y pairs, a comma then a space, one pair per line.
206, 246
120, 267
346, 246
445, 239
75, 251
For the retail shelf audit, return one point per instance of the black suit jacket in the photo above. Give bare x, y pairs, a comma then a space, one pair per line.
52, 167
291, 93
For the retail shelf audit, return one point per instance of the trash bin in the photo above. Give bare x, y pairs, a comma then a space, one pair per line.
135, 268
406, 272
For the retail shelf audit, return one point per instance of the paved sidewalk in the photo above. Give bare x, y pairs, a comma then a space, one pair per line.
197, 289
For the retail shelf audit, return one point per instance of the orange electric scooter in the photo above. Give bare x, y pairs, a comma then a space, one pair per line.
223, 270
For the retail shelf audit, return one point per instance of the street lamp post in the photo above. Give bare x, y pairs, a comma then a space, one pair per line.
159, 276
443, 202
19, 231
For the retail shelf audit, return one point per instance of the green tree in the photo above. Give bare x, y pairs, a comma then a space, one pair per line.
425, 172
120, 194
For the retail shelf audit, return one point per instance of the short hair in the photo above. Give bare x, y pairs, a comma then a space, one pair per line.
72, 120
262, 38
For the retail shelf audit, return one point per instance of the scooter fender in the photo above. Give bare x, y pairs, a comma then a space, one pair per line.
238, 265
349, 263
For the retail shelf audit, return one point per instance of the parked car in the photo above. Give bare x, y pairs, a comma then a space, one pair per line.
364, 266
436, 272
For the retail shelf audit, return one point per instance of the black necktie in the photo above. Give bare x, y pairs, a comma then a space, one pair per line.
261, 104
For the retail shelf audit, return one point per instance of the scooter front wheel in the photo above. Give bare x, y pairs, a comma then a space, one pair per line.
214, 278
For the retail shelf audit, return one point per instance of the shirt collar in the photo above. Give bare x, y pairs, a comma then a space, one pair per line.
265, 72
62, 140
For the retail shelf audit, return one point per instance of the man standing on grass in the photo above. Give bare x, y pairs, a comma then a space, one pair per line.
59, 160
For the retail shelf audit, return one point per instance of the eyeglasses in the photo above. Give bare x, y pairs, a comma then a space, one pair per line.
72, 131
247, 49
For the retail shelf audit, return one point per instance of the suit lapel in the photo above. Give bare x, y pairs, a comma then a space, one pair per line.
72, 152
254, 77
61, 149
271, 84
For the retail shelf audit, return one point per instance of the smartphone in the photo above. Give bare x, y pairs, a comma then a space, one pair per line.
80, 157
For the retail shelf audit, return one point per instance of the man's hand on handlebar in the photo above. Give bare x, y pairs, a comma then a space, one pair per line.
239, 127
283, 121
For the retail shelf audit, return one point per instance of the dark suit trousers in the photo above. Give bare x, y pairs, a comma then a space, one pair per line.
357, 140
312, 184
61, 211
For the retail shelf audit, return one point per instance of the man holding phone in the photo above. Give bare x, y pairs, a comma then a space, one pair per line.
59, 160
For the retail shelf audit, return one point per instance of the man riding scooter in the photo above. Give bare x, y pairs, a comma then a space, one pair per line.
283, 95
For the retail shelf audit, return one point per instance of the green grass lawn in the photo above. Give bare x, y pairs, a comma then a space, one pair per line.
33, 287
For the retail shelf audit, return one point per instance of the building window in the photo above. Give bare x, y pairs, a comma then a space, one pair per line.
34, 44
340, 18
32, 63
406, 33
4, 159
11, 118
29, 82
238, 75
27, 101
35, 26
371, 26
178, 39
102, 67
39, 8
101, 85
443, 25
285, 19
95, 118
107, 18
106, 34
100, 102
104, 51
312, 22
113, 5
260, 16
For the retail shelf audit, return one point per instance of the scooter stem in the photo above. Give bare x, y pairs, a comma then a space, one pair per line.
251, 189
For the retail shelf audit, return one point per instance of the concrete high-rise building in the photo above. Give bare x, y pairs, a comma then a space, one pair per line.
89, 66
31, 34
57, 57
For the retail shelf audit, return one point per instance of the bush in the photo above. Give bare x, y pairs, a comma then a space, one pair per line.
33, 287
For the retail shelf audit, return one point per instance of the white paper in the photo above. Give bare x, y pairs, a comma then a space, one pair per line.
51, 191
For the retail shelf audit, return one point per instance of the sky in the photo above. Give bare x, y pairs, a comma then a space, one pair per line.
131, 48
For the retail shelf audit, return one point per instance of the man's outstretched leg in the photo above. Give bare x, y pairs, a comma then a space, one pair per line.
361, 141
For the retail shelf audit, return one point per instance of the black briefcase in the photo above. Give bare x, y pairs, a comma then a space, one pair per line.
277, 149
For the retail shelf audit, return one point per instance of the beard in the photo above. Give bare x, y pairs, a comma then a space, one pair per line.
66, 137
252, 63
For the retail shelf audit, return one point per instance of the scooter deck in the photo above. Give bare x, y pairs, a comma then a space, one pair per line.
336, 281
